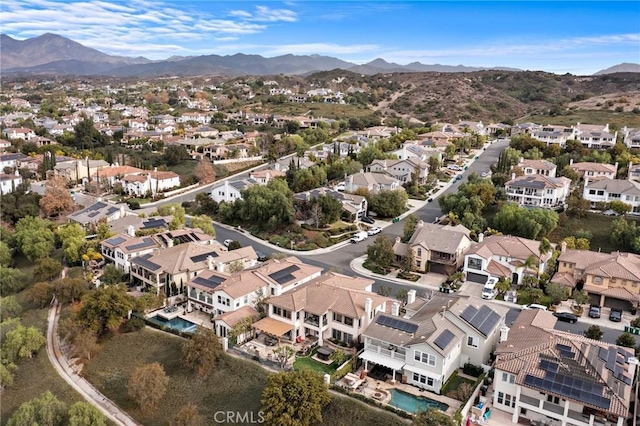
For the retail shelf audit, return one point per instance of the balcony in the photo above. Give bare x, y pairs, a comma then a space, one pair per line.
553, 408
398, 354
535, 402
313, 320
444, 259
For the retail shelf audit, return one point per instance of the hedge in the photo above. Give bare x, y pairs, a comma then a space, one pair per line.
472, 370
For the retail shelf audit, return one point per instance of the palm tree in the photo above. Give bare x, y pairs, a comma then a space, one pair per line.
531, 263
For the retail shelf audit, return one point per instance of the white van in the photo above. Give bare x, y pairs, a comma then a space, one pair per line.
489, 289
360, 236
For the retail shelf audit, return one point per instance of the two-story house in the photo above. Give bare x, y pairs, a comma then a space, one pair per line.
537, 167
355, 206
98, 212
263, 177
331, 306
169, 270
503, 256
560, 378
373, 182
149, 182
553, 134
607, 190
594, 171
631, 137
436, 248
229, 192
79, 169
402, 170
19, 133
12, 160
538, 190
435, 338
595, 136
9, 182
611, 280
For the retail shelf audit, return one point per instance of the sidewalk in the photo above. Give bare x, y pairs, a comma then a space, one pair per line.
429, 281
80, 385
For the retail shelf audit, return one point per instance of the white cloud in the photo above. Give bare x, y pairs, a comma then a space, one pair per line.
319, 48
265, 14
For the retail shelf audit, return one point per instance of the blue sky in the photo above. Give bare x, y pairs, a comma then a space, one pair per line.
560, 37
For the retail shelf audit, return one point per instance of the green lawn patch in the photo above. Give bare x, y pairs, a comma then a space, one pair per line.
184, 168
374, 268
308, 363
455, 383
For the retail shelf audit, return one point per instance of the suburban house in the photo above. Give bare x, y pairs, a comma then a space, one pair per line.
98, 212
402, 170
79, 169
13, 160
631, 137
537, 167
610, 279
436, 337
170, 269
9, 182
231, 191
593, 171
561, 378
538, 190
607, 190
153, 183
121, 248
595, 136
115, 173
373, 182
525, 128
218, 293
504, 256
436, 248
263, 177
354, 206
553, 134
332, 306
19, 133
412, 149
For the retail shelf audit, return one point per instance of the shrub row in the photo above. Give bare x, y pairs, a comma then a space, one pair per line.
472, 370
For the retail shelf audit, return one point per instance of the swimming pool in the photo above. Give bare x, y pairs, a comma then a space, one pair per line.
176, 323
411, 403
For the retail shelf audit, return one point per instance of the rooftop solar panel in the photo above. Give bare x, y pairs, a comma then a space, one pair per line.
211, 282
203, 257
145, 262
146, 242
116, 241
284, 275
443, 340
484, 319
397, 323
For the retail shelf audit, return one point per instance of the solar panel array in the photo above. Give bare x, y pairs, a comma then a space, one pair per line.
203, 257
116, 241
397, 323
146, 242
211, 282
483, 319
565, 351
145, 262
284, 275
610, 357
154, 223
570, 387
443, 340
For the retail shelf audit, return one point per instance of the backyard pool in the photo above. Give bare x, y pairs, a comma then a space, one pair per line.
411, 403
176, 323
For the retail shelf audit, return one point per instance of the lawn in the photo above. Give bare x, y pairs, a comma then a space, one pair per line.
598, 224
455, 383
236, 385
308, 363
184, 168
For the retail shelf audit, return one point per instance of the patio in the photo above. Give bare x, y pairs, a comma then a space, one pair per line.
197, 317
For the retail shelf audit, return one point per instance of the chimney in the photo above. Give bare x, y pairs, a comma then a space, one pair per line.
633, 364
480, 237
411, 297
122, 211
395, 309
520, 160
563, 246
220, 267
169, 241
513, 176
131, 231
504, 333
210, 263
368, 306
571, 161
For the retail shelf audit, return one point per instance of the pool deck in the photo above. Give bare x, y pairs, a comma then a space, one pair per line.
200, 318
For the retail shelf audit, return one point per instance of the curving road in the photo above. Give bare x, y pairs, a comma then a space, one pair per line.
83, 387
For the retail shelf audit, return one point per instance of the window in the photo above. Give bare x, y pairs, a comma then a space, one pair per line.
597, 280
473, 263
425, 358
506, 399
472, 341
336, 334
592, 192
348, 321
508, 378
419, 252
347, 338
553, 399
337, 317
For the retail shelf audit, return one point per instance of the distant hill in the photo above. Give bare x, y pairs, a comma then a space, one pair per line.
624, 67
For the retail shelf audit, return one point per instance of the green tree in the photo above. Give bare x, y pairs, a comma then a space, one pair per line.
269, 206
174, 155
12, 280
408, 263
44, 410
9, 308
188, 416
74, 242
105, 308
112, 275
527, 223
70, 290
201, 352
580, 297
41, 293
205, 224
577, 206
331, 209
381, 251
402, 296
147, 385
620, 207
556, 292
577, 243
84, 414
47, 269
409, 226
432, 417
6, 254
7, 372
627, 340
22, 342
594, 332
294, 398
34, 237
503, 286
388, 203
384, 291
283, 354
234, 245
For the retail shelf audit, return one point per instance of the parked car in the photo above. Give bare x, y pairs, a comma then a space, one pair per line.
534, 306
261, 256
566, 317
227, 242
594, 311
454, 167
360, 236
340, 187
615, 315
367, 219
375, 230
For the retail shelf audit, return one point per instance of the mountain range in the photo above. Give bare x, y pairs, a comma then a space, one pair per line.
54, 54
